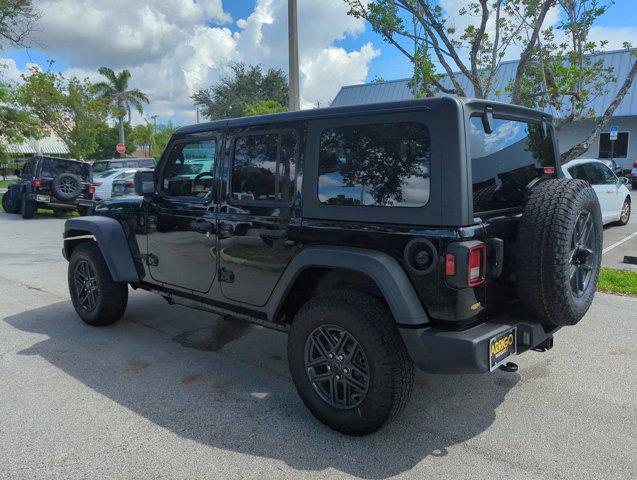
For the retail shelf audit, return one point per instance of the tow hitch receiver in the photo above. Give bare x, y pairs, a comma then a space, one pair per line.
545, 345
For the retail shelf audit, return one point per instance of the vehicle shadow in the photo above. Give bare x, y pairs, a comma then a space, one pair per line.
237, 395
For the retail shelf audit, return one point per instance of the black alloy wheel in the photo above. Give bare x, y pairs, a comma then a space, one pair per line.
582, 260
337, 367
86, 285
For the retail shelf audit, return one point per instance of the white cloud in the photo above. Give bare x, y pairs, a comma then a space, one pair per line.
173, 47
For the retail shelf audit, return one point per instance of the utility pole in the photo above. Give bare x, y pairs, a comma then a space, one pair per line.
293, 34
150, 147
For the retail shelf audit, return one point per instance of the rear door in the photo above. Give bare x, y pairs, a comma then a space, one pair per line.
595, 174
259, 220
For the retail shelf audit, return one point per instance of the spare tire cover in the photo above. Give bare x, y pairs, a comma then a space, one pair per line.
67, 186
559, 250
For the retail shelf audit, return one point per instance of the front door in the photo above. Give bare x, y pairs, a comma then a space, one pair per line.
593, 173
182, 219
258, 219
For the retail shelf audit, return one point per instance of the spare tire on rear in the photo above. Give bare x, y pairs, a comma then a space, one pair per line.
67, 187
559, 250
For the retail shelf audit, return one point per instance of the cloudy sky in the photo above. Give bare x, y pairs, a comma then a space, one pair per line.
173, 47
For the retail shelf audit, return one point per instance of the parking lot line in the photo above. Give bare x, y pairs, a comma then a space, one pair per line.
617, 244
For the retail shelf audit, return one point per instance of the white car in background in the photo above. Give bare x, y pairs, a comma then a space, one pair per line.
104, 182
613, 196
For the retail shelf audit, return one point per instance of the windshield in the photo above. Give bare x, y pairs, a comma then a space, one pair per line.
52, 167
505, 161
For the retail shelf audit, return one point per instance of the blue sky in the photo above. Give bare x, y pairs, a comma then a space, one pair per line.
173, 48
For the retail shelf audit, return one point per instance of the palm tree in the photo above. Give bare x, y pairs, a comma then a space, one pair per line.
116, 90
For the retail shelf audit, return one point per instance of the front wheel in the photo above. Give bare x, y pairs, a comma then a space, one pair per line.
624, 215
348, 362
97, 298
7, 203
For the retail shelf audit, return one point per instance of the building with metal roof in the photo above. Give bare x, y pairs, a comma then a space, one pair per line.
625, 116
50, 145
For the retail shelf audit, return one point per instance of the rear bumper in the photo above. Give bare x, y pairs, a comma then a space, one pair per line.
442, 351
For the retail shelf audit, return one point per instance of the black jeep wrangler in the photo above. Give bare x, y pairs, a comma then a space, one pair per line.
57, 184
437, 233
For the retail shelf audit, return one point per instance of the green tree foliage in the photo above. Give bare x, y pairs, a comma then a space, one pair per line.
18, 19
143, 136
264, 107
107, 138
423, 32
122, 99
68, 108
562, 74
246, 86
15, 124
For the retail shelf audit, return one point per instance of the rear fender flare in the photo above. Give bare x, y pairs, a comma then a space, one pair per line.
111, 240
384, 270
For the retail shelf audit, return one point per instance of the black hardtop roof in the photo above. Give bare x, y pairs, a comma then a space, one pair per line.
48, 157
351, 110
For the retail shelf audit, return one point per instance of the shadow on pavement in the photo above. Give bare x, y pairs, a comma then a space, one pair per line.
238, 396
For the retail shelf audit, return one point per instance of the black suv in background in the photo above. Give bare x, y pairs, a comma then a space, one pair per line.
58, 184
436, 233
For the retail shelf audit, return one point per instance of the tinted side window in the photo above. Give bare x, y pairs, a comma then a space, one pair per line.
505, 161
52, 168
607, 175
190, 170
264, 167
383, 165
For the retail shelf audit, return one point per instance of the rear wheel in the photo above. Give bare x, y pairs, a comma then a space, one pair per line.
348, 362
83, 211
97, 298
7, 203
27, 207
624, 215
559, 250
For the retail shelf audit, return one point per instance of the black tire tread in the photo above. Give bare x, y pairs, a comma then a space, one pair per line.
113, 295
543, 236
378, 321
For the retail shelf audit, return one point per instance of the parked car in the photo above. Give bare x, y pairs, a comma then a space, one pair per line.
57, 184
613, 165
633, 176
614, 197
104, 182
100, 166
427, 232
124, 185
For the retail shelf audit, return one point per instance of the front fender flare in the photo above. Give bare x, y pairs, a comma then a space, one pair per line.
384, 270
111, 240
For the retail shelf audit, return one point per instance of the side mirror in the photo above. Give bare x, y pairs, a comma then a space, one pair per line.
17, 172
144, 183
624, 180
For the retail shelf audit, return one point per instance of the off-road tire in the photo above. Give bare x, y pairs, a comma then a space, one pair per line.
390, 368
544, 250
71, 181
112, 297
7, 204
623, 220
27, 207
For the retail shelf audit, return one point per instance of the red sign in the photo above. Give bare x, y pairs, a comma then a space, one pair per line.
120, 148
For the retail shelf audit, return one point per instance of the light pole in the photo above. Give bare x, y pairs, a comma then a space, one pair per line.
150, 147
293, 34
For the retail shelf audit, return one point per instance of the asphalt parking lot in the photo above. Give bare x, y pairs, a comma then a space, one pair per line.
170, 393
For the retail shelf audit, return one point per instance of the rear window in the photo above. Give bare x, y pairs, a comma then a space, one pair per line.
505, 161
382, 165
53, 167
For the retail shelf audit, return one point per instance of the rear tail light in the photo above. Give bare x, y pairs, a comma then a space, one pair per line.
97, 184
477, 264
91, 190
465, 264
37, 183
130, 185
634, 164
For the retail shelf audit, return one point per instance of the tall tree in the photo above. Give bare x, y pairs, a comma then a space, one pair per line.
246, 86
18, 19
116, 90
15, 124
424, 33
69, 108
564, 75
